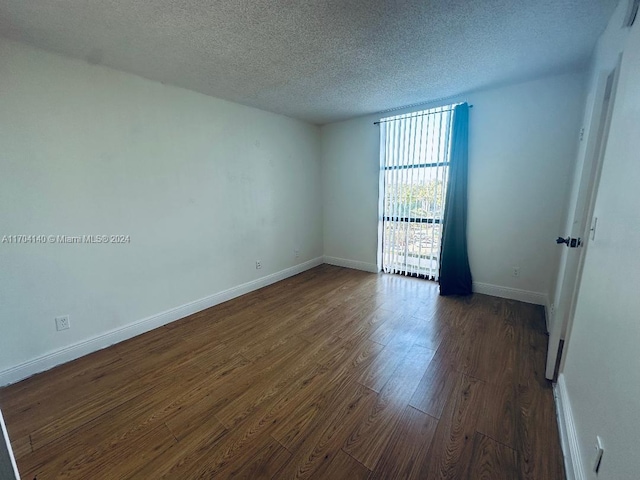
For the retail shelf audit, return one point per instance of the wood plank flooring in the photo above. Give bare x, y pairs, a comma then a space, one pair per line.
333, 373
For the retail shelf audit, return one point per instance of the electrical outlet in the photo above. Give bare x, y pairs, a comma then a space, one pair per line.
296, 252
516, 271
62, 323
258, 264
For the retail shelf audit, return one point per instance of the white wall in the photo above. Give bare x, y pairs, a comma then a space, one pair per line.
604, 60
204, 188
523, 141
602, 365
350, 170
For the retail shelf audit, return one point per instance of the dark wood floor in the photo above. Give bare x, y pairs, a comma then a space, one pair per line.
330, 374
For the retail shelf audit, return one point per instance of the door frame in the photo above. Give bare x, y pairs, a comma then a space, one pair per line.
583, 223
6, 453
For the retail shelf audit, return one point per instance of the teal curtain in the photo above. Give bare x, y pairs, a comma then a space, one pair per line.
455, 274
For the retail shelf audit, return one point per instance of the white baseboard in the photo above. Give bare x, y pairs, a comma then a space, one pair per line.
525, 296
568, 435
77, 350
343, 262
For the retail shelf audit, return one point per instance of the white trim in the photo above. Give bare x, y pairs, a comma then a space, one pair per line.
568, 434
355, 264
77, 350
7, 442
526, 296
549, 312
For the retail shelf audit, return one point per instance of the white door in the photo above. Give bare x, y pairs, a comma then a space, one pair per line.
584, 225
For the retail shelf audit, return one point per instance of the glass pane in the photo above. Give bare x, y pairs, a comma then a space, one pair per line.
415, 192
418, 139
412, 246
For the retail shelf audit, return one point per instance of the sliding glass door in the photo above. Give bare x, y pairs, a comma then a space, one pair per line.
414, 174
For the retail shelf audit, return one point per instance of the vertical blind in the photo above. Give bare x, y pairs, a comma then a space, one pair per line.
414, 157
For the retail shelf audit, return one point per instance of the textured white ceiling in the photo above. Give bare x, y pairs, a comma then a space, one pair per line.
321, 60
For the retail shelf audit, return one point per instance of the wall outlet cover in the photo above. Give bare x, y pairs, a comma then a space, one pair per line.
63, 323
